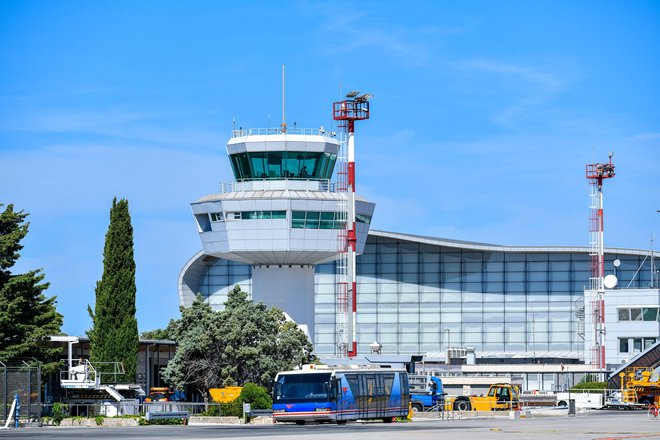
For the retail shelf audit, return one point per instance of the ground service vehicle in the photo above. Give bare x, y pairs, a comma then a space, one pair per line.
500, 397
583, 400
640, 385
326, 394
158, 394
423, 398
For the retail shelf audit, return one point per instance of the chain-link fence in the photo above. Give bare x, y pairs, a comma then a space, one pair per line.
24, 380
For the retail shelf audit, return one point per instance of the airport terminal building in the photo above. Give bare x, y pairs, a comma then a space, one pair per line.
271, 232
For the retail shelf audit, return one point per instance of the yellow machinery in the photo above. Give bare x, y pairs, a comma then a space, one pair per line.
224, 395
158, 394
500, 397
640, 385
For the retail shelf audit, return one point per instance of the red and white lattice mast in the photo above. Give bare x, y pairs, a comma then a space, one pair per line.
596, 173
354, 108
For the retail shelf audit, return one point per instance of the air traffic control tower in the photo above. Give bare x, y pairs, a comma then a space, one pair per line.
283, 215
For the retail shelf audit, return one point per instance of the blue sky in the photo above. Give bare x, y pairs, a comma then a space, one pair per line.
484, 117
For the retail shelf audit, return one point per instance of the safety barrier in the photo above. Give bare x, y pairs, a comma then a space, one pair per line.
163, 415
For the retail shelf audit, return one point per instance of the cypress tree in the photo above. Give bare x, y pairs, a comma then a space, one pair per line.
114, 336
27, 316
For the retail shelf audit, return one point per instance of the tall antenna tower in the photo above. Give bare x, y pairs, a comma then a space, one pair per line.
354, 108
596, 173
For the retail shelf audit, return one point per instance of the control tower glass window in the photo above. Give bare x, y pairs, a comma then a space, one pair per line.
283, 165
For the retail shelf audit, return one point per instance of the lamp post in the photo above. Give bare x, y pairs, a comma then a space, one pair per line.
447, 356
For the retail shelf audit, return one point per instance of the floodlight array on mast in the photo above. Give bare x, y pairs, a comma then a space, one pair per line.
354, 108
596, 173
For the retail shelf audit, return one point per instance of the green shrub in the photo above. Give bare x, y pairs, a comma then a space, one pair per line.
233, 408
212, 411
258, 397
590, 386
99, 420
59, 412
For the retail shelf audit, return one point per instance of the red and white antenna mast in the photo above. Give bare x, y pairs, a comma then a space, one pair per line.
354, 108
596, 173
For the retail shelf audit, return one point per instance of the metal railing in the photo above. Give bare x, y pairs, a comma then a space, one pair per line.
278, 130
284, 184
82, 372
115, 409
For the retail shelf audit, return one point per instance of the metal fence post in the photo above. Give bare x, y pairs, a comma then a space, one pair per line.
4, 385
39, 392
17, 412
29, 393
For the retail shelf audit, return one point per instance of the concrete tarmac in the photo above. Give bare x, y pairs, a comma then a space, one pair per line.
596, 425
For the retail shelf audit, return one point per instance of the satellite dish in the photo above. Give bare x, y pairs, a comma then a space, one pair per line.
616, 263
610, 281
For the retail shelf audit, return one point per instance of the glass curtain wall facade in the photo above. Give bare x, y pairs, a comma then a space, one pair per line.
415, 297
220, 277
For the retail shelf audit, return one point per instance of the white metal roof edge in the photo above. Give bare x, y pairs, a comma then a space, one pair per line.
499, 248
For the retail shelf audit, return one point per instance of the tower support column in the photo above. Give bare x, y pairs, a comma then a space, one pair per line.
289, 288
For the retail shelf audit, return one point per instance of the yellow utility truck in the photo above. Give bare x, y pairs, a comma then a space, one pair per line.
640, 385
500, 397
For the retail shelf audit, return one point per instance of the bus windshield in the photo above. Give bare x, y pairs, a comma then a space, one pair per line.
294, 388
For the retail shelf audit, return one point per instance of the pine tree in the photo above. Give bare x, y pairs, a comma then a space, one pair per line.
114, 336
27, 316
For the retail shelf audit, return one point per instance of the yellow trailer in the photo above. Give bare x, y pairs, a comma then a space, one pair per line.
224, 395
500, 397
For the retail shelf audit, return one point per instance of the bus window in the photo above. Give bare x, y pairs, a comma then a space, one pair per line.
302, 387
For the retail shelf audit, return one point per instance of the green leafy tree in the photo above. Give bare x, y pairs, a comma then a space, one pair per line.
114, 335
27, 316
197, 336
246, 342
159, 333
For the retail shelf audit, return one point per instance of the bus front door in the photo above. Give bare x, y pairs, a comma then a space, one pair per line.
340, 399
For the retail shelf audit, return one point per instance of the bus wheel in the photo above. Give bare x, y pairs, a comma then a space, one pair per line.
300, 422
462, 405
387, 420
341, 422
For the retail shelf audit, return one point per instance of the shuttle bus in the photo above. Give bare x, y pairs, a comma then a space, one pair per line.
325, 394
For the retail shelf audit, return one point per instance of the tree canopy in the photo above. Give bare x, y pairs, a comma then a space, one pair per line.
114, 335
245, 342
27, 316
159, 333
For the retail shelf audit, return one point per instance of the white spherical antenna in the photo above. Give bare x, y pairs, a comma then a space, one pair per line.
616, 263
610, 281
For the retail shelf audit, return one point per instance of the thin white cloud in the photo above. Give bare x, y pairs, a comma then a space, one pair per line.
526, 88
532, 75
356, 30
138, 126
643, 137
80, 121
